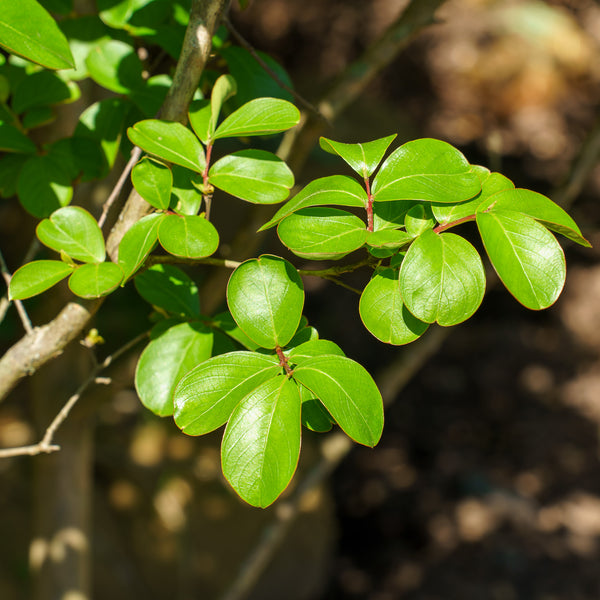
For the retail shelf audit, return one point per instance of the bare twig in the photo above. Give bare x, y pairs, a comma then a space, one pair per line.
46, 445
18, 304
284, 86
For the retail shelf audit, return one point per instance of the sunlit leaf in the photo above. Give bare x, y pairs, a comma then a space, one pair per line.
137, 243
95, 280
364, 157
153, 181
36, 277
188, 236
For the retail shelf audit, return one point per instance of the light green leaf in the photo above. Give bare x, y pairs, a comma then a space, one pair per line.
170, 141
337, 189
137, 243
224, 88
313, 348
43, 88
388, 238
116, 13
170, 289
43, 186
166, 359
262, 116
14, 140
28, 30
314, 415
261, 444
426, 169
491, 183
225, 322
442, 278
348, 392
537, 207
390, 215
200, 117
188, 236
95, 280
36, 277
113, 64
206, 396
418, 219
383, 312
74, 231
364, 157
303, 334
185, 197
322, 233
153, 181
526, 256
265, 296
253, 175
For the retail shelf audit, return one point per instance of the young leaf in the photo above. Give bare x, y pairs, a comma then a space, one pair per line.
137, 243
189, 237
442, 278
169, 288
200, 117
348, 392
166, 359
363, 158
337, 189
95, 280
206, 396
540, 208
224, 88
526, 256
36, 277
265, 296
28, 30
383, 312
73, 230
262, 116
153, 181
426, 169
253, 175
170, 141
322, 233
261, 444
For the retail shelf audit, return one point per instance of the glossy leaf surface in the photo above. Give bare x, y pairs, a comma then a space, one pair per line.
265, 296
166, 359
253, 175
153, 181
95, 280
188, 236
137, 243
261, 444
348, 392
389, 215
74, 231
364, 157
206, 396
442, 278
313, 348
36, 277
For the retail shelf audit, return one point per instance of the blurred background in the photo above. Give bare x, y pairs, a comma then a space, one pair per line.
486, 483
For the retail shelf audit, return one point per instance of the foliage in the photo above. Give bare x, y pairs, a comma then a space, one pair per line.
257, 368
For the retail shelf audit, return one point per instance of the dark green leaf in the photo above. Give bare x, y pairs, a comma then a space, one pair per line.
36, 277
10, 167
261, 444
265, 296
38, 117
113, 64
314, 415
95, 280
14, 140
153, 181
253, 175
363, 158
137, 243
189, 237
151, 96
166, 359
226, 323
43, 88
185, 197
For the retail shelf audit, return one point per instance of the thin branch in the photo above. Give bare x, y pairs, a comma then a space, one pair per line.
18, 304
284, 86
334, 449
46, 445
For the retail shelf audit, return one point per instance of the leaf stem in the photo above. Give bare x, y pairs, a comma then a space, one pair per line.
441, 228
283, 361
369, 204
207, 195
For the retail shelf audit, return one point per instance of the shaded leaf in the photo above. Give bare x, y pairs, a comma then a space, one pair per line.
43, 88
114, 64
14, 140
226, 323
389, 215
153, 181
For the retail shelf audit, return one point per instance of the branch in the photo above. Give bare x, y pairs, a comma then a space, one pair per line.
46, 445
18, 304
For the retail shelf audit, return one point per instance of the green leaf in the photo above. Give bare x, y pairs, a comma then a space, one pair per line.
418, 219
170, 289
442, 278
337, 189
153, 181
314, 415
257, 176
265, 296
114, 64
137, 243
62, 7
200, 117
38, 117
261, 444
116, 13
225, 322
491, 183
537, 207
166, 359
206, 396
225, 87
43, 186
389, 215
313, 348
10, 168
28, 30
14, 140
43, 88
384, 313
188, 236
185, 197
151, 96
262, 116
74, 231
95, 280
363, 158
426, 169
322, 233
303, 334
170, 141
36, 277
526, 256
388, 238
348, 392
